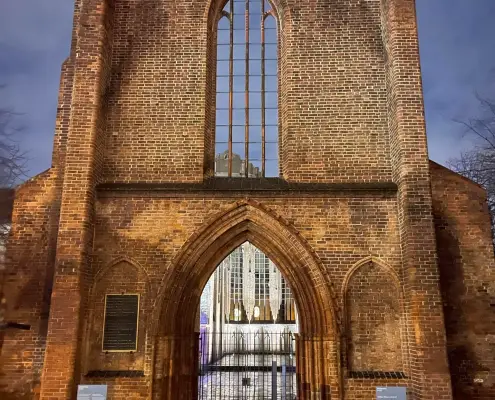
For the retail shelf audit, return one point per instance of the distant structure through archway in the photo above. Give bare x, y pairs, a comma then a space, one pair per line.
247, 322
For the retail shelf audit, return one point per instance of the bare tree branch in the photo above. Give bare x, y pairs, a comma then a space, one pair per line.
479, 163
13, 160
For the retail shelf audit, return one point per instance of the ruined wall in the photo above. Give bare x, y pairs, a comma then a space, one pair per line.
149, 228
467, 279
27, 285
410, 171
30, 263
373, 313
333, 92
127, 373
136, 114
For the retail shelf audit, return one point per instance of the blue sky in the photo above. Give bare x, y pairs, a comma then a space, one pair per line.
457, 45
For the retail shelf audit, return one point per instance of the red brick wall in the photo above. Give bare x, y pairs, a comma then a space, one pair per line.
467, 278
410, 170
373, 320
31, 262
334, 112
151, 228
342, 229
27, 282
120, 278
334, 117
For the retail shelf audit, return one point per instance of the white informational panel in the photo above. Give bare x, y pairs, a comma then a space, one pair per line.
391, 393
92, 392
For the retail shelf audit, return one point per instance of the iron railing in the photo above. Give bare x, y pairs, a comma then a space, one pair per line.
253, 365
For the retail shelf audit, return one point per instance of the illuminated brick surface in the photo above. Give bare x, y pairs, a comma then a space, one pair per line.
130, 205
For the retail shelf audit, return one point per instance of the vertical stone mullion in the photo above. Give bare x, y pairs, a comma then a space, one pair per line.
426, 334
61, 366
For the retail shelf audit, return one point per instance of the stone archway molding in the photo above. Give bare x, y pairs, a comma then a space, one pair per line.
277, 238
318, 344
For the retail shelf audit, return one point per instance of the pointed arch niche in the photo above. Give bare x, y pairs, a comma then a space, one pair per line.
244, 88
123, 276
374, 319
179, 300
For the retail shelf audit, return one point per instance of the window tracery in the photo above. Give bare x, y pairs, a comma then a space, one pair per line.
246, 131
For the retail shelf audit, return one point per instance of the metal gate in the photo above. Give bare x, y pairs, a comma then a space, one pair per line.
254, 365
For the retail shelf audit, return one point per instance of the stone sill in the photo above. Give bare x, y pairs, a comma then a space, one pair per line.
256, 185
115, 374
376, 375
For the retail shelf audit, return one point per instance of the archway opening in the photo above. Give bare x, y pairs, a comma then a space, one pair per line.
318, 340
247, 322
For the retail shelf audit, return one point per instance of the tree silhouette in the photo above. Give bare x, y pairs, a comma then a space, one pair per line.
478, 164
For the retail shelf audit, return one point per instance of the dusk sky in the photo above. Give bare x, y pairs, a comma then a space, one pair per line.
457, 45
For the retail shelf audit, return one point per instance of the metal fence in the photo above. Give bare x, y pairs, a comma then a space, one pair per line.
254, 365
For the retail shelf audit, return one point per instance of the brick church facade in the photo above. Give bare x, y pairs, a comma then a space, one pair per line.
388, 255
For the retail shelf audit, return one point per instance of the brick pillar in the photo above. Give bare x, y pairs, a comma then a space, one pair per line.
180, 354
82, 167
316, 363
427, 344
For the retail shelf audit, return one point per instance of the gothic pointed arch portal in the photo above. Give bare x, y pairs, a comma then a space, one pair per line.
318, 340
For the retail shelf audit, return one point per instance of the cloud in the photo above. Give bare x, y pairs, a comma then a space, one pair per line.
34, 25
34, 41
457, 60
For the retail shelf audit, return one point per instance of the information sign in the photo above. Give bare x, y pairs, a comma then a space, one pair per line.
391, 393
92, 392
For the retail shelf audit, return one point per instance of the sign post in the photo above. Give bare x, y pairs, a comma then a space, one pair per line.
274, 380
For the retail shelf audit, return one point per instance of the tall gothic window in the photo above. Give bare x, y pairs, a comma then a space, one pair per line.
246, 132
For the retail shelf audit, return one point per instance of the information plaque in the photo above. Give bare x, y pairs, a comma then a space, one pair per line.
391, 393
92, 392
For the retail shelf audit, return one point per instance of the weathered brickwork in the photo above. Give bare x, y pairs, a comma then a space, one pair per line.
121, 277
158, 107
28, 280
157, 227
408, 153
130, 206
27, 285
373, 319
467, 280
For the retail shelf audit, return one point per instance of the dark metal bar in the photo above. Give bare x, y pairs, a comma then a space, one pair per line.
274, 380
246, 95
263, 99
231, 83
15, 325
240, 372
284, 380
